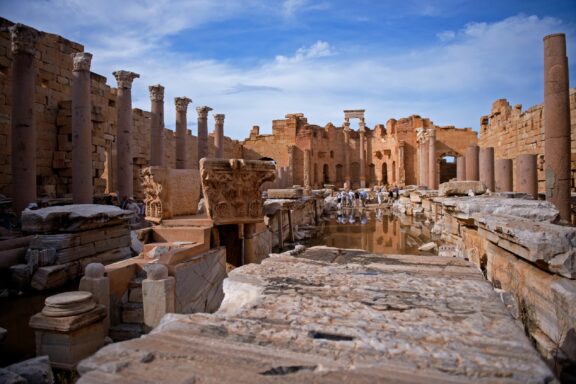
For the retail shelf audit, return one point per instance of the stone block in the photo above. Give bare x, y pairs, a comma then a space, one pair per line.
461, 188
158, 298
291, 193
73, 218
549, 246
33, 371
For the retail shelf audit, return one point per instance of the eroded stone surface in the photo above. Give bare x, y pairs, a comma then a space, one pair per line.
461, 188
335, 315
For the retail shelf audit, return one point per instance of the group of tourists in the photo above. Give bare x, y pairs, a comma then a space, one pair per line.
359, 198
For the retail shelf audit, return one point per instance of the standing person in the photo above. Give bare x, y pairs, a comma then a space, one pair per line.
351, 198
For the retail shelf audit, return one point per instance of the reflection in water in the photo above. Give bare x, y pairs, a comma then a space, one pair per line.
374, 230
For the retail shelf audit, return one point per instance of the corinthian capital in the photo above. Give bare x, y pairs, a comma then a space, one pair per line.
421, 135
182, 103
203, 111
23, 39
156, 92
82, 61
219, 118
125, 78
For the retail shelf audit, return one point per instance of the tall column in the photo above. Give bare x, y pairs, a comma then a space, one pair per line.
557, 124
401, 163
290, 165
472, 171
503, 175
424, 168
181, 129
82, 185
347, 177
219, 135
487, 167
527, 175
432, 165
23, 132
460, 168
124, 134
203, 131
362, 132
307, 170
156, 124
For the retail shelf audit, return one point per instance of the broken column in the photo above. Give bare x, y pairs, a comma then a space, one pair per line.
124, 132
82, 185
346, 153
156, 125
158, 294
422, 157
432, 165
307, 169
96, 283
503, 175
527, 175
23, 132
181, 128
219, 135
472, 170
203, 131
362, 132
557, 124
487, 167
460, 168
69, 328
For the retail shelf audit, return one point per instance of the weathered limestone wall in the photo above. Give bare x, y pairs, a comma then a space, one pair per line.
54, 123
513, 132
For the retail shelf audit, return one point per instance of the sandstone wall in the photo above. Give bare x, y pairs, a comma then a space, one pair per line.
54, 123
513, 132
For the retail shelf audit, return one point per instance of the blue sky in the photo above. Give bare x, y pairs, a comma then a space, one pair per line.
256, 61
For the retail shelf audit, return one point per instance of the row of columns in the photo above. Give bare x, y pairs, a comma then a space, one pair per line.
24, 135
428, 167
362, 149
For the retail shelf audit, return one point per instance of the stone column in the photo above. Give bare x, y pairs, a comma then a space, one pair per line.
219, 135
347, 153
203, 131
503, 175
23, 132
280, 229
290, 165
158, 294
421, 139
181, 129
307, 169
527, 174
362, 132
249, 246
82, 184
472, 170
96, 283
432, 165
156, 125
460, 168
557, 124
401, 163
124, 132
486, 160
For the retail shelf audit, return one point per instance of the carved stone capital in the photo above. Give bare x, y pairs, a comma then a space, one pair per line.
81, 61
421, 137
125, 78
156, 92
232, 189
182, 103
23, 39
203, 111
219, 118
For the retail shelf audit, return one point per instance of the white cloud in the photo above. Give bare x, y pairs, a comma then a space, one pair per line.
318, 49
445, 36
290, 7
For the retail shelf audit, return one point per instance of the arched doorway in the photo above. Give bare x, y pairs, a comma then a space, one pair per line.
339, 173
371, 175
447, 167
326, 177
384, 173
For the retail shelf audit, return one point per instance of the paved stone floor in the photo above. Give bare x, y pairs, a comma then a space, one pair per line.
330, 316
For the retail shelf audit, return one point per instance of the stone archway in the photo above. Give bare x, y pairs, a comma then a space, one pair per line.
447, 166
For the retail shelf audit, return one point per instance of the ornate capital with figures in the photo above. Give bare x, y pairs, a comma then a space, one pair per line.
156, 92
203, 111
81, 61
182, 103
23, 39
125, 78
232, 189
421, 137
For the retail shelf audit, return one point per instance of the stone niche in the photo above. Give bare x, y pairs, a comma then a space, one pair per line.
232, 189
170, 192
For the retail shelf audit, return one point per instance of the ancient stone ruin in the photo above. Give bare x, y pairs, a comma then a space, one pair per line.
401, 252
